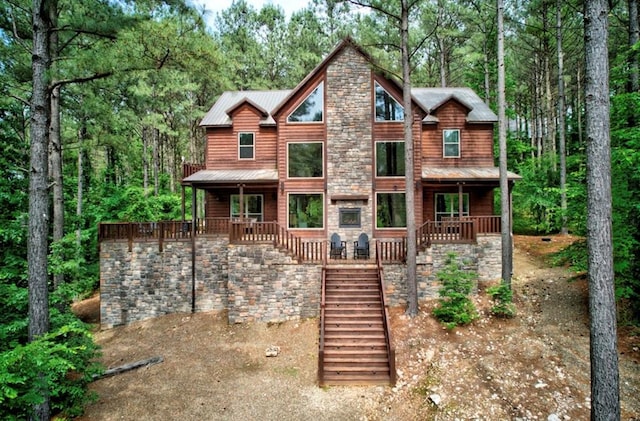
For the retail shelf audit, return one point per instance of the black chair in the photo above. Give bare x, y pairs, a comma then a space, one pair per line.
361, 247
338, 247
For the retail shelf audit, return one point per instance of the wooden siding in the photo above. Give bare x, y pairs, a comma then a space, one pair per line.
222, 143
476, 140
299, 132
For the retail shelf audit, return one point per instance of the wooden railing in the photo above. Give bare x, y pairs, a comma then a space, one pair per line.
392, 250
322, 315
442, 232
391, 351
248, 231
190, 169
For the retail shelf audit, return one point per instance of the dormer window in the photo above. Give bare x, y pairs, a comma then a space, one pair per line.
311, 109
387, 108
451, 143
246, 145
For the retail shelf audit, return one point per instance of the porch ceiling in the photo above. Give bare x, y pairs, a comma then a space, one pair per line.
232, 176
443, 174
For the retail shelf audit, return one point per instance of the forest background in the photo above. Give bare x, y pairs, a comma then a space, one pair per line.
133, 80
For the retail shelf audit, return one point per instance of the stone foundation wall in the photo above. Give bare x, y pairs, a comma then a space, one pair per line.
484, 258
251, 282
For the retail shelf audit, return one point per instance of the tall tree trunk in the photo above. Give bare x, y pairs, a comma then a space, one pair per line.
156, 161
561, 119
82, 134
412, 283
55, 162
634, 37
605, 394
38, 194
487, 73
55, 148
507, 251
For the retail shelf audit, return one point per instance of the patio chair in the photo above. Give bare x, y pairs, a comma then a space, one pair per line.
338, 247
361, 247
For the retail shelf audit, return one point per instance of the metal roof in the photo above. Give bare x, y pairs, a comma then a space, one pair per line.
464, 173
432, 98
267, 100
232, 176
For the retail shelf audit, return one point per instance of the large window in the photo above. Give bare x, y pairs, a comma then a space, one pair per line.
306, 210
387, 108
311, 108
305, 160
389, 159
253, 207
246, 145
451, 143
391, 210
448, 205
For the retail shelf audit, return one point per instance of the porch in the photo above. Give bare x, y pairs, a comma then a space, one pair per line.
453, 230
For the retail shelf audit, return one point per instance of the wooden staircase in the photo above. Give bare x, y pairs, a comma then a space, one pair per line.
354, 339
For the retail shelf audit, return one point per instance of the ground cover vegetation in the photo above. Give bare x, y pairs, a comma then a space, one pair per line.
128, 83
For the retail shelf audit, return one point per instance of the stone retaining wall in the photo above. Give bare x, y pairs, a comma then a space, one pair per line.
251, 282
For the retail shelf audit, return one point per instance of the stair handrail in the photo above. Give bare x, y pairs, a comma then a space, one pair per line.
391, 353
321, 342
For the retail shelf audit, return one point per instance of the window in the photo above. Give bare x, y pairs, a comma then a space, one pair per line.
245, 145
306, 210
391, 210
305, 160
451, 143
447, 205
389, 159
387, 108
252, 206
311, 108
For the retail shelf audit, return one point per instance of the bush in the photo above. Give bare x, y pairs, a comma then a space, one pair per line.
60, 362
455, 307
502, 297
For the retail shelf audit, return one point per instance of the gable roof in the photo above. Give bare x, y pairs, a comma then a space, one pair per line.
264, 101
272, 102
433, 98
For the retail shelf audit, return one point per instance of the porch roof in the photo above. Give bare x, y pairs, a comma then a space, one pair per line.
430, 173
232, 176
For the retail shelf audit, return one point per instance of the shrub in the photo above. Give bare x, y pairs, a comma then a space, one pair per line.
455, 307
502, 297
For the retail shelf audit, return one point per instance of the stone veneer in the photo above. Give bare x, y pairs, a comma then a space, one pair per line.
349, 142
250, 282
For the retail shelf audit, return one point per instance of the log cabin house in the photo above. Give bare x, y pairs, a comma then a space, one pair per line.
328, 156
287, 170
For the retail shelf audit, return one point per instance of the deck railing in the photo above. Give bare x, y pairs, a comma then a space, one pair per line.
249, 231
391, 350
190, 169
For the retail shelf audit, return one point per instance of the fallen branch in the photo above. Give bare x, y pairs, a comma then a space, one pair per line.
128, 367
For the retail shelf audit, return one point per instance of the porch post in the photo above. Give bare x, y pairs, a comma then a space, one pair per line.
241, 199
183, 203
460, 204
193, 246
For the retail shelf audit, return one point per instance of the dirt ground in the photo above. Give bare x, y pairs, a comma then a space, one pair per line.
532, 367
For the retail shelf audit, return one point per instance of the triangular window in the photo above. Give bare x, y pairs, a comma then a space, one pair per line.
311, 109
387, 108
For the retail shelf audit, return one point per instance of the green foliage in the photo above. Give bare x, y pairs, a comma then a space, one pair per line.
60, 362
455, 307
502, 297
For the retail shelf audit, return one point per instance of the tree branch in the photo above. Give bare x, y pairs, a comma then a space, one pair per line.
376, 8
95, 76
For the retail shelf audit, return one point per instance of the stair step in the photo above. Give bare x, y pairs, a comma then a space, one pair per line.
353, 330
382, 360
353, 324
350, 378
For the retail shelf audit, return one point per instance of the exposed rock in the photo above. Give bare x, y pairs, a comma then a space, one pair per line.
272, 351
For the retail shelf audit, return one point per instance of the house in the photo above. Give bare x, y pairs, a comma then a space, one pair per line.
328, 156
